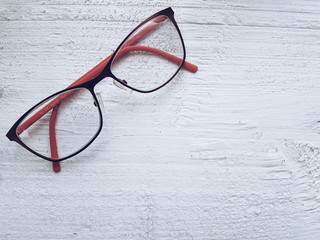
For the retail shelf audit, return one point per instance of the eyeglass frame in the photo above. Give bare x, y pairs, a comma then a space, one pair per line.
91, 83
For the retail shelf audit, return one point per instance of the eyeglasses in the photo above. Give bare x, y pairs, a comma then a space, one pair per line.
146, 60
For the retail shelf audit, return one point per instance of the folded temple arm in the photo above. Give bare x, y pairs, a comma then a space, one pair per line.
93, 73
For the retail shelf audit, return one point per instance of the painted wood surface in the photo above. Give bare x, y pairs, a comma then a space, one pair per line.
231, 152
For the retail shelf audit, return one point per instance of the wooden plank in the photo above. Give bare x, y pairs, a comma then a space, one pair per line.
231, 152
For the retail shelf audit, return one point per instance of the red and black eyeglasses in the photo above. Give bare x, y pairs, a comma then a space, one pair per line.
67, 122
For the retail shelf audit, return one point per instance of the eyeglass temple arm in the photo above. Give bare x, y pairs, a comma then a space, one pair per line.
52, 133
53, 140
87, 77
93, 73
90, 75
145, 31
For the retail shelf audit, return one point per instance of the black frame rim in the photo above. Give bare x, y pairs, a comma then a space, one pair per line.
13, 136
166, 12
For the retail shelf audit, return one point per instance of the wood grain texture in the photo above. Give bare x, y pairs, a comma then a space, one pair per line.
231, 152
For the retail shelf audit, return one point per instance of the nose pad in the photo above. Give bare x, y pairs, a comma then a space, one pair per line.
100, 101
119, 85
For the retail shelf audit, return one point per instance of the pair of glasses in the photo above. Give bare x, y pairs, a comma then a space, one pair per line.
145, 61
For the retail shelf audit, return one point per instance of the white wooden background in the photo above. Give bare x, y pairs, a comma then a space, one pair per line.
231, 152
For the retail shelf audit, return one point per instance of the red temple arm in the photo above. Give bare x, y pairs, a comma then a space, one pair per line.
93, 73
87, 77
132, 41
145, 31
53, 140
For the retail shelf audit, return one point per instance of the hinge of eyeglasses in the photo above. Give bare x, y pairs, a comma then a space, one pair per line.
119, 85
